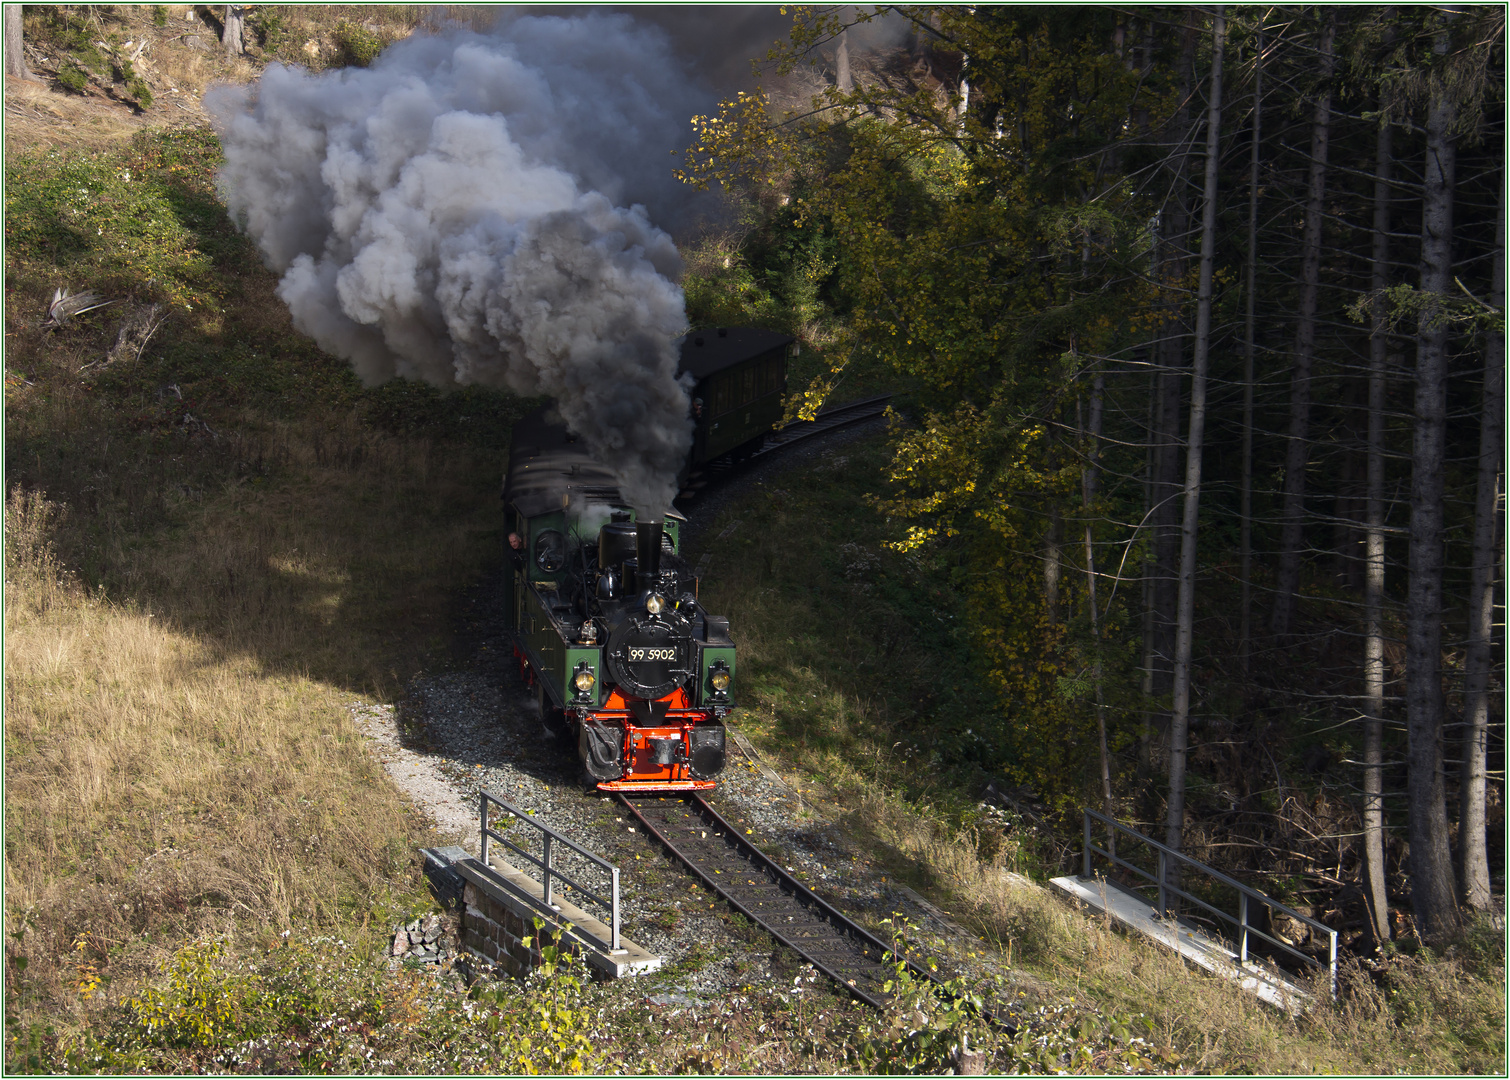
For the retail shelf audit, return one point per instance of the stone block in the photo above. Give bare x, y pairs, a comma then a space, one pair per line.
501, 906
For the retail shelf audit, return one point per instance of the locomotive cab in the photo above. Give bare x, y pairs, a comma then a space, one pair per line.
607, 624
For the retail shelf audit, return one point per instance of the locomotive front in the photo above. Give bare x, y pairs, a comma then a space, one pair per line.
607, 623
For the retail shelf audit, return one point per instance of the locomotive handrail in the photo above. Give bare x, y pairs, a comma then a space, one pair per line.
546, 866
1244, 892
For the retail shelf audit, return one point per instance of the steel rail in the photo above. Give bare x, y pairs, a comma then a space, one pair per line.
743, 876
829, 420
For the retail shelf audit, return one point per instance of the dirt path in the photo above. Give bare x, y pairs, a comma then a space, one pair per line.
417, 774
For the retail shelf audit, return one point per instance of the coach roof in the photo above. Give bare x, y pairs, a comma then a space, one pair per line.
706, 352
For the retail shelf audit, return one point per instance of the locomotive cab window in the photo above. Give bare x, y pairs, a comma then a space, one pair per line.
550, 551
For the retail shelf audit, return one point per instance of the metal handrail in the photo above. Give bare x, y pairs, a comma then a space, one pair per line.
1244, 892
546, 866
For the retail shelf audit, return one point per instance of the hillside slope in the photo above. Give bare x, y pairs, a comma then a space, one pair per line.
217, 541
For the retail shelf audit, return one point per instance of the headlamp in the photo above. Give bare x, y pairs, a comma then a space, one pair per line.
654, 603
583, 681
719, 677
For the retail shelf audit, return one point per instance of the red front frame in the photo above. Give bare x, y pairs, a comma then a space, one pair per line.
644, 773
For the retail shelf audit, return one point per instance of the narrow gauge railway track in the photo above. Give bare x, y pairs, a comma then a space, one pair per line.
740, 873
829, 420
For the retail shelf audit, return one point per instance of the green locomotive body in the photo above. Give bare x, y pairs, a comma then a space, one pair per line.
607, 626
604, 610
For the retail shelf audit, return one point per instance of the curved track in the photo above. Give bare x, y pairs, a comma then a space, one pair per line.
736, 870
832, 419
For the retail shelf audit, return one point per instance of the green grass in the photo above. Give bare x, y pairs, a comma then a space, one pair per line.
237, 538
857, 678
851, 655
143, 223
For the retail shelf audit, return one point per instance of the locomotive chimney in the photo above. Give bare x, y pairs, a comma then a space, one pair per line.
648, 537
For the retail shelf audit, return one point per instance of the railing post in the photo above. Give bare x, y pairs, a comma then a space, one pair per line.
1163, 877
1242, 923
1086, 873
615, 874
1333, 962
482, 807
548, 870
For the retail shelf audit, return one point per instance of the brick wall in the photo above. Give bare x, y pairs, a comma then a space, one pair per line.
494, 930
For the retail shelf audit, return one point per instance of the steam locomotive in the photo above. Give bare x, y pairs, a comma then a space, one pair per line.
603, 607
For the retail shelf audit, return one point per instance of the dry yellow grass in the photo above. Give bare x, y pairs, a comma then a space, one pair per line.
179, 760
810, 706
1429, 1016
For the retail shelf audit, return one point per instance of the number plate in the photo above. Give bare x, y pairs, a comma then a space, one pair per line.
642, 655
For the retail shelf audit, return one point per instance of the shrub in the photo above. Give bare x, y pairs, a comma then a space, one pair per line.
270, 26
73, 77
198, 1006
358, 46
136, 86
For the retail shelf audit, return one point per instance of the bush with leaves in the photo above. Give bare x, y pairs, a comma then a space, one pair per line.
928, 1025
358, 46
271, 27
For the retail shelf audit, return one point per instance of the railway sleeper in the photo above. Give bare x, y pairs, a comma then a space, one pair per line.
782, 906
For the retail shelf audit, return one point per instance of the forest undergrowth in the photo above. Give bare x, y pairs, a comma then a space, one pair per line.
215, 539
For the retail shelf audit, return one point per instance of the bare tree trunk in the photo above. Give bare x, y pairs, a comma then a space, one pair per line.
1179, 725
231, 36
1292, 515
1053, 542
1375, 896
843, 79
1472, 834
1053, 561
1145, 738
1164, 524
15, 50
1090, 483
1431, 877
1153, 428
1245, 496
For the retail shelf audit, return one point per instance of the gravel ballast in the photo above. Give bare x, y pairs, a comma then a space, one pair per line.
479, 727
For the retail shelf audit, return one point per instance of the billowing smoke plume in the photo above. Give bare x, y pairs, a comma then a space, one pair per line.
479, 210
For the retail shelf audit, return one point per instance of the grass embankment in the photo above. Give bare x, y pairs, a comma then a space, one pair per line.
857, 675
236, 539
213, 543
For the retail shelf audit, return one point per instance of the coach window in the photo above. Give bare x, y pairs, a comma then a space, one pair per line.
773, 373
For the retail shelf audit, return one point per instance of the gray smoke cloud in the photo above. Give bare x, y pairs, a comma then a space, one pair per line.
480, 209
